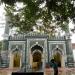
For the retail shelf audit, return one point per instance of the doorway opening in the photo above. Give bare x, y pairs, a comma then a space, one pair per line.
37, 52
16, 59
58, 58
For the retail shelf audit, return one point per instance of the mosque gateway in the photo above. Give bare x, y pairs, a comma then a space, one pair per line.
32, 51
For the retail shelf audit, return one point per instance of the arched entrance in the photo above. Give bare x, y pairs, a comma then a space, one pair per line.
36, 57
16, 59
57, 55
57, 58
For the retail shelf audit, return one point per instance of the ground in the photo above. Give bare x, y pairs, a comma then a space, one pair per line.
47, 71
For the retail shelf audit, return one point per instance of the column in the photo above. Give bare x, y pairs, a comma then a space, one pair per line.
69, 53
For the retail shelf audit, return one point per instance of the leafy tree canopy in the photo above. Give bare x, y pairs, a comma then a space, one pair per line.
53, 14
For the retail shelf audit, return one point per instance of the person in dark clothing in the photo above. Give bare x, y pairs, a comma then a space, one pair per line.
55, 66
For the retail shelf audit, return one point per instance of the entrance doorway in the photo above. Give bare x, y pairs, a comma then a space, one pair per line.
16, 59
36, 57
58, 58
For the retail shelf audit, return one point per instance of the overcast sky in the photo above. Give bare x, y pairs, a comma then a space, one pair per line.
2, 21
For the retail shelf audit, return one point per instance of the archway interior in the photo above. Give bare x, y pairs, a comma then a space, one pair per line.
37, 57
16, 59
57, 58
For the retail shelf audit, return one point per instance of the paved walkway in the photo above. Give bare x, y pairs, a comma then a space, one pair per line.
49, 71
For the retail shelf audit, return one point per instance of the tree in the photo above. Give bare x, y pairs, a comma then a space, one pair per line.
55, 14
0, 45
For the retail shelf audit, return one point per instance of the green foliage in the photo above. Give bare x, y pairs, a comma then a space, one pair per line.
9, 2
53, 11
0, 45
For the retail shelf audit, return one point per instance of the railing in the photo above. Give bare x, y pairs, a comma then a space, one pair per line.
34, 35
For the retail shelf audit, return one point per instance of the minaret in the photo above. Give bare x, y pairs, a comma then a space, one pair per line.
69, 51
6, 34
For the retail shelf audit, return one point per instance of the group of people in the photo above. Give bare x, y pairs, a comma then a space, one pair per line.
54, 65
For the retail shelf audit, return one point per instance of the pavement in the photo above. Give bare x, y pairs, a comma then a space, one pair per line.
47, 71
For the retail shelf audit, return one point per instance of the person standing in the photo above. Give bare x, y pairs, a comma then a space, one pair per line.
55, 66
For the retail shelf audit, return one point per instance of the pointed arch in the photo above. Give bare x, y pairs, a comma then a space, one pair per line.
16, 59
57, 54
36, 47
57, 49
37, 54
57, 58
16, 55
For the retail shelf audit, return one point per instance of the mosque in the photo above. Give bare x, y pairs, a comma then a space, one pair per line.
35, 50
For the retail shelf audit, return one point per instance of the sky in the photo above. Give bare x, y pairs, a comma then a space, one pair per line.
2, 21
2, 26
